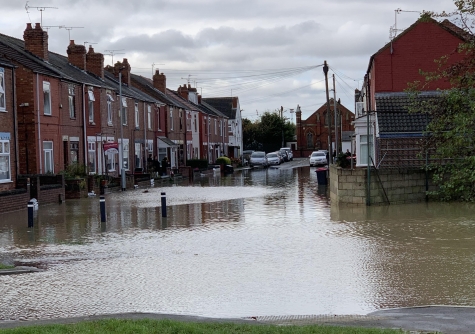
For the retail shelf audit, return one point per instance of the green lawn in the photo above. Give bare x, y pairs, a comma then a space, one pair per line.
176, 327
3, 266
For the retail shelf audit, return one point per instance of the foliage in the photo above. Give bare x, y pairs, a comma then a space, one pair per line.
74, 171
342, 161
197, 163
450, 135
223, 161
170, 326
265, 134
236, 161
4, 266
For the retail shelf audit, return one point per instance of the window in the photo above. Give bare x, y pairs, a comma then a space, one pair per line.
215, 127
5, 175
91, 106
171, 119
309, 140
138, 155
221, 128
150, 147
72, 101
111, 161
91, 157
2, 91
230, 127
364, 147
48, 156
125, 158
196, 124
110, 99
149, 117
136, 115
74, 151
123, 116
46, 98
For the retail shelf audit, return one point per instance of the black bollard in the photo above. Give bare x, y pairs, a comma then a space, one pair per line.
103, 209
164, 205
30, 214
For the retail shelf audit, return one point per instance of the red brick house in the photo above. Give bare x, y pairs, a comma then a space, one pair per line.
8, 132
312, 133
394, 134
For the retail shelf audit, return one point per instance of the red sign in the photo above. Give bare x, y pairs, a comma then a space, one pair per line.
111, 147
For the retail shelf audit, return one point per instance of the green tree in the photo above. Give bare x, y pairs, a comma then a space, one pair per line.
450, 135
266, 133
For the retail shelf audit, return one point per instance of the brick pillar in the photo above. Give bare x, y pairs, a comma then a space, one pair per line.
125, 71
183, 91
36, 41
95, 63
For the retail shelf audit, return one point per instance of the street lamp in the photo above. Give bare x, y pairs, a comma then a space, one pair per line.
122, 170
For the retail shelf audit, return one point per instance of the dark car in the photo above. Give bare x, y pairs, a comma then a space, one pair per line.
246, 156
285, 155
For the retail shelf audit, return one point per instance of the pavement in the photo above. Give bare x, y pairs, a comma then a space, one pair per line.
424, 319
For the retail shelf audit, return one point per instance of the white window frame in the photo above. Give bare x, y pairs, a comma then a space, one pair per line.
5, 167
362, 143
110, 99
91, 156
215, 126
171, 119
48, 156
123, 116
3, 100
149, 117
91, 100
138, 156
137, 120
125, 158
47, 98
72, 101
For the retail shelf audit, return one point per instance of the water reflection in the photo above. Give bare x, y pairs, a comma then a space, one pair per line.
263, 242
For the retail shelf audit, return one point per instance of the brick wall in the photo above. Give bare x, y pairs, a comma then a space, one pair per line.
401, 186
7, 125
13, 201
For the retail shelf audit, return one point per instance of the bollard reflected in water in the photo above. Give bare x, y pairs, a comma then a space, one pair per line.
30, 214
164, 205
103, 209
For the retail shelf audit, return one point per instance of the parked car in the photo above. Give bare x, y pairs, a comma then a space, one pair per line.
273, 158
285, 155
246, 155
258, 158
289, 152
318, 158
281, 157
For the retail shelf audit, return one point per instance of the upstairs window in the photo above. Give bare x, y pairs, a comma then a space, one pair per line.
2, 90
72, 101
136, 115
171, 119
123, 115
149, 117
91, 106
110, 99
46, 98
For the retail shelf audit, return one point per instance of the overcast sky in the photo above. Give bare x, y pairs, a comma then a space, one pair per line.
264, 51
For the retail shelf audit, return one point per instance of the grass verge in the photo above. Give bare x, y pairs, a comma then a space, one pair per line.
4, 266
169, 327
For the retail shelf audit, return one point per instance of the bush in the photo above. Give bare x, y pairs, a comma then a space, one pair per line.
197, 163
223, 161
342, 161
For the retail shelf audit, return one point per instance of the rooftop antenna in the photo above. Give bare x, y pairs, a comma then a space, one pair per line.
89, 43
41, 9
393, 30
69, 30
153, 65
48, 27
189, 76
114, 52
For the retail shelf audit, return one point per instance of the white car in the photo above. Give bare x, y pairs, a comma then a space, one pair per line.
258, 158
289, 152
318, 158
273, 158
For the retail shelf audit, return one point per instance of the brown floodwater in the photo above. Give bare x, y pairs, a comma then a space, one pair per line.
255, 243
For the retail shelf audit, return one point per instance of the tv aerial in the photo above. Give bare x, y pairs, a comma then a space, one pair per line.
69, 30
114, 52
40, 9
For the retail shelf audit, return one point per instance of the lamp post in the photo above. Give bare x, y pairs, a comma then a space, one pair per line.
122, 170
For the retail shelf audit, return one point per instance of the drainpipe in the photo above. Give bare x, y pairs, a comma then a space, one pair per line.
207, 125
84, 122
15, 125
39, 126
144, 140
368, 178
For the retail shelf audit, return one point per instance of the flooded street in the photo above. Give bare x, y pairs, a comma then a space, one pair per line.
255, 243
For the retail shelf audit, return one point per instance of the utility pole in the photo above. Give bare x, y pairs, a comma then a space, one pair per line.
122, 170
282, 124
330, 151
337, 147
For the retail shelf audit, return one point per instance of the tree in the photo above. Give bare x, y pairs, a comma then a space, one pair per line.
450, 134
266, 133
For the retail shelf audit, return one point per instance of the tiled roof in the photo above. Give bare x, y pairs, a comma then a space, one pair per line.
5, 62
178, 101
145, 82
393, 116
126, 90
223, 104
211, 110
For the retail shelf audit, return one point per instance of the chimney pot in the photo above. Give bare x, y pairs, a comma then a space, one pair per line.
37, 26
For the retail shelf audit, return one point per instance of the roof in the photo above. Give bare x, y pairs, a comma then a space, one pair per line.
393, 116
446, 25
152, 91
5, 62
127, 91
223, 104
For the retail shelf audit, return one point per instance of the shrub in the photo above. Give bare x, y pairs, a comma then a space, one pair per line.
342, 161
197, 163
223, 161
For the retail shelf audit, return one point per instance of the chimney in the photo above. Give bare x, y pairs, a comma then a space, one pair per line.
183, 91
77, 55
199, 99
160, 81
95, 63
36, 41
125, 71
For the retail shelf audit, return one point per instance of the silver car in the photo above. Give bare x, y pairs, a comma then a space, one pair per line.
318, 158
258, 158
273, 158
